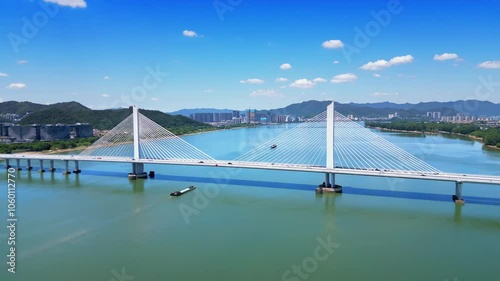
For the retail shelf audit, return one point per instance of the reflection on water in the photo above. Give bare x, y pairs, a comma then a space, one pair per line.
403, 134
138, 185
458, 213
458, 137
495, 151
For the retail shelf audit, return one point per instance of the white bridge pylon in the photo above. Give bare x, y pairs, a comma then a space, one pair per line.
139, 138
332, 140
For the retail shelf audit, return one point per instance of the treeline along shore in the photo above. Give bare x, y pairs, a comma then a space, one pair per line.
488, 136
37, 146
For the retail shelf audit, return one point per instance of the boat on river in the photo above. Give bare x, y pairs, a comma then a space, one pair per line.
185, 190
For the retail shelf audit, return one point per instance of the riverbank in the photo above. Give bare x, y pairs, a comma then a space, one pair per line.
219, 129
436, 133
53, 151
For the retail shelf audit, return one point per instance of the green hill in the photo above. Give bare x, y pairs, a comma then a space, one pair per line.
49, 116
68, 106
20, 108
73, 112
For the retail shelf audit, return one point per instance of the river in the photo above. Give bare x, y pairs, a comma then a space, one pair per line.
254, 224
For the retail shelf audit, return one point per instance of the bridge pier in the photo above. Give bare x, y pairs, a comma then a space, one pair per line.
41, 167
457, 198
327, 180
137, 171
66, 168
77, 168
52, 169
18, 165
336, 188
329, 186
7, 164
28, 165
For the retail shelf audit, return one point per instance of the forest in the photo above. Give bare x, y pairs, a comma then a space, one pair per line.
8, 148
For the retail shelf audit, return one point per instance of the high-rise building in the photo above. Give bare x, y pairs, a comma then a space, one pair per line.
225, 116
217, 117
204, 117
434, 115
252, 115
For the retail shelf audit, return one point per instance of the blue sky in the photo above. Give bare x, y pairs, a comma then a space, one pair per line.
239, 54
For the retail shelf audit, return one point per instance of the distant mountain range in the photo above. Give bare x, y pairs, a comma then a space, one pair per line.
381, 109
74, 112
188, 112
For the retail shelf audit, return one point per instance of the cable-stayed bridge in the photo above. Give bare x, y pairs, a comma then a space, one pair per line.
328, 143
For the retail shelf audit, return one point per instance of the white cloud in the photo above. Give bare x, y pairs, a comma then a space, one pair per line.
106, 95
302, 84
266, 93
336, 62
15, 86
344, 78
106, 78
285, 66
252, 81
207, 91
378, 94
281, 79
446, 56
489, 64
189, 33
22, 61
377, 75
69, 3
332, 44
3, 74
381, 64
155, 99
319, 80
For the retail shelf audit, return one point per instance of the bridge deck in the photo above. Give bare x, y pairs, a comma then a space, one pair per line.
453, 177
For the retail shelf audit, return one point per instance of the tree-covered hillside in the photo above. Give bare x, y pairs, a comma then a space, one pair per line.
73, 112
